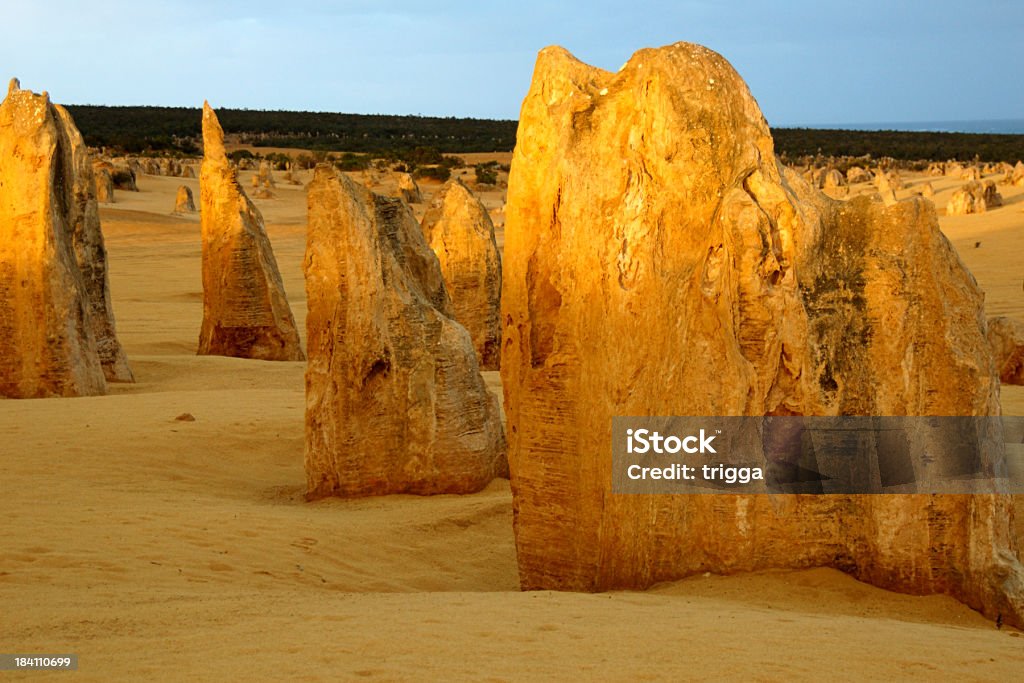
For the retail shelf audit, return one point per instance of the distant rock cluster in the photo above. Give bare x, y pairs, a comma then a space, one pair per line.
974, 197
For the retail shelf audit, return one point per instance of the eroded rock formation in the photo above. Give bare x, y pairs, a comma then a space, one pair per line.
1016, 177
991, 194
1006, 337
965, 201
459, 230
408, 189
104, 183
835, 183
83, 219
659, 261
888, 180
123, 178
394, 398
856, 174
183, 201
57, 333
245, 310
265, 177
971, 173
974, 197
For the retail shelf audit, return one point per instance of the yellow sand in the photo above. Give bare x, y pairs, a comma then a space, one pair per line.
159, 549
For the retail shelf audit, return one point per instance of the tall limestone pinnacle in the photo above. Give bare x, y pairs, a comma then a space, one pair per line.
57, 331
459, 230
660, 261
245, 310
395, 402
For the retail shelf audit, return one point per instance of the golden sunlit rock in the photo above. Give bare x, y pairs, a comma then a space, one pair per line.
57, 332
394, 398
660, 261
245, 310
459, 230
974, 197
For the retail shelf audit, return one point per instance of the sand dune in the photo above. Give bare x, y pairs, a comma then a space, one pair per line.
184, 550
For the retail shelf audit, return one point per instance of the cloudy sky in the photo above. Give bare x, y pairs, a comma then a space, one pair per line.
806, 61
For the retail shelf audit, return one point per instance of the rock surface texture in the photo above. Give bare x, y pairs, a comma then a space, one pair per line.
394, 398
245, 310
659, 261
1006, 336
459, 230
83, 219
57, 333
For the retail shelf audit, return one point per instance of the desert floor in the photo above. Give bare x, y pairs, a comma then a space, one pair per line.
163, 549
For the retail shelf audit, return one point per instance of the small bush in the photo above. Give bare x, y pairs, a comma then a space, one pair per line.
441, 173
278, 161
353, 162
485, 174
306, 161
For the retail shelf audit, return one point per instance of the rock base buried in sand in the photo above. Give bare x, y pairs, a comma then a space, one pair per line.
660, 261
394, 398
245, 310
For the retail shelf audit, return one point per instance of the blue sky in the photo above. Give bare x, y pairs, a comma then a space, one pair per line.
806, 62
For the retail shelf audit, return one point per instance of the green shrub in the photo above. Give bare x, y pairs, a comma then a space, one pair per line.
485, 174
353, 162
441, 173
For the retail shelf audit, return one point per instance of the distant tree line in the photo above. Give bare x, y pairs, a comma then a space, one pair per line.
908, 146
141, 130
157, 129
